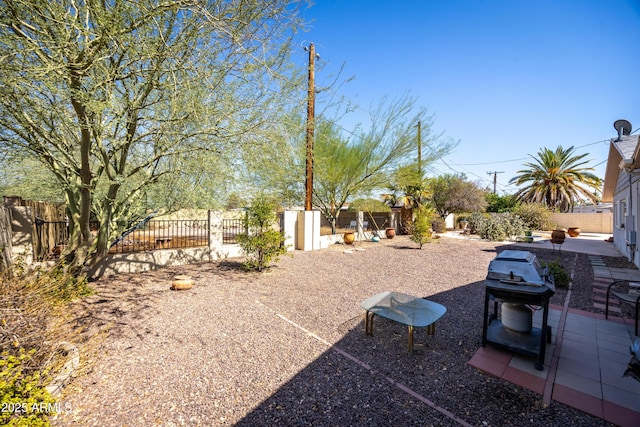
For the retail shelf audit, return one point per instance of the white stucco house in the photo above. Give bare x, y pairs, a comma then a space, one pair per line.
622, 188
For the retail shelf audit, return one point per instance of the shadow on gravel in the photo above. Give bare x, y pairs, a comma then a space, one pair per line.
115, 305
373, 380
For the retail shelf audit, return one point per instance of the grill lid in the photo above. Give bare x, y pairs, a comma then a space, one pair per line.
517, 267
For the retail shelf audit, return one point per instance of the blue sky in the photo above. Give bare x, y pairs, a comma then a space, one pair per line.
504, 78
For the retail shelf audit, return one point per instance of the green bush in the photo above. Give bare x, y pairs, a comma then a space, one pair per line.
501, 204
22, 391
421, 229
35, 316
262, 244
560, 276
536, 216
476, 221
499, 227
438, 225
68, 287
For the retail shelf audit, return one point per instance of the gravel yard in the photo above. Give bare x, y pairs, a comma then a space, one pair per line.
287, 347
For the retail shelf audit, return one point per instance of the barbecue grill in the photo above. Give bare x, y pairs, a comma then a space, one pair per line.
517, 284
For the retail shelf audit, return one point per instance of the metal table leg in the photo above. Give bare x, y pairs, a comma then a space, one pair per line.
368, 322
410, 339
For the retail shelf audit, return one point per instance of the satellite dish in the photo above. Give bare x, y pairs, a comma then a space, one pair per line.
622, 126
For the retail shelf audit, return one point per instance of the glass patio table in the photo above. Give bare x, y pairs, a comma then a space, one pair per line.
402, 308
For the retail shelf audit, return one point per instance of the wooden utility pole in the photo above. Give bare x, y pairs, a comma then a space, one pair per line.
495, 179
311, 102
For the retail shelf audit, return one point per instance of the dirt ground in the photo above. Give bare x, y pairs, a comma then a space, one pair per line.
287, 347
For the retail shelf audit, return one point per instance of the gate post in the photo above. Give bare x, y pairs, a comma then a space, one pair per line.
215, 232
308, 230
288, 228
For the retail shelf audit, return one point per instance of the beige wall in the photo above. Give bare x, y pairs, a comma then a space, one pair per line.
601, 222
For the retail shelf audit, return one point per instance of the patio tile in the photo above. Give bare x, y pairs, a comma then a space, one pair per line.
612, 308
576, 350
487, 364
621, 397
620, 415
617, 354
578, 382
602, 272
527, 365
525, 379
592, 357
580, 337
613, 375
579, 324
611, 328
585, 368
576, 399
616, 345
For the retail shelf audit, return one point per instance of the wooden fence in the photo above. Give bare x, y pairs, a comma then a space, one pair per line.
5, 238
43, 241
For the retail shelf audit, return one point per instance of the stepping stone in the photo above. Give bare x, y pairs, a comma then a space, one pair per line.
612, 309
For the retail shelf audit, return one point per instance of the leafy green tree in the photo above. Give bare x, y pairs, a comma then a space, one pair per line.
407, 187
262, 243
454, 194
26, 178
112, 97
347, 168
347, 164
559, 179
234, 201
500, 204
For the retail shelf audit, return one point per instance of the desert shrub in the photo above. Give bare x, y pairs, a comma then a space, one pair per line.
438, 225
499, 227
30, 301
421, 228
493, 230
262, 244
536, 216
67, 286
560, 276
476, 221
22, 391
34, 311
513, 225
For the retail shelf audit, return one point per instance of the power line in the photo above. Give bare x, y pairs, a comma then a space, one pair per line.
495, 179
524, 158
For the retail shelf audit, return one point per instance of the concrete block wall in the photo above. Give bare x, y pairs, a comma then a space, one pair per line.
600, 222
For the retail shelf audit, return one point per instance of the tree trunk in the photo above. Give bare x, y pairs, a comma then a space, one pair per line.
406, 219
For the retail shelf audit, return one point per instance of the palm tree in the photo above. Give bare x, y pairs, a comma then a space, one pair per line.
409, 190
557, 179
